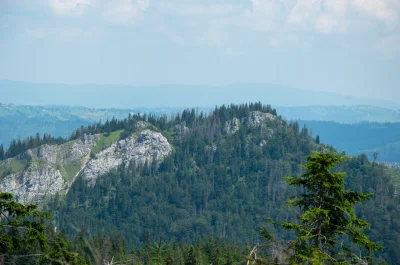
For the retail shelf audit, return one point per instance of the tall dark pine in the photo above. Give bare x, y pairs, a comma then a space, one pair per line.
328, 225
317, 140
1, 152
191, 257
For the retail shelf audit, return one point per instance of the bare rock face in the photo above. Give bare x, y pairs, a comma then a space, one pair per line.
232, 126
48, 170
143, 125
34, 184
48, 153
257, 118
51, 169
148, 146
44, 171
77, 151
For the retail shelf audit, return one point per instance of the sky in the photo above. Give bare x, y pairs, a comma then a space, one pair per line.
351, 47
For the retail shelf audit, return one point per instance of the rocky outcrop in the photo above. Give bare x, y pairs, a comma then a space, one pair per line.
232, 126
257, 118
45, 171
147, 146
51, 169
78, 150
48, 153
34, 184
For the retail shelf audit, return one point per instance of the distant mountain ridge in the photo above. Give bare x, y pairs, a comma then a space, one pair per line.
127, 97
341, 114
355, 139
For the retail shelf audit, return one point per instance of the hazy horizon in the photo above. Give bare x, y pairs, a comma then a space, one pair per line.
347, 47
174, 96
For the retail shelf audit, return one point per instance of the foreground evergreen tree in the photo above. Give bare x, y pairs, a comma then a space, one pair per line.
328, 228
24, 238
22, 229
191, 257
59, 254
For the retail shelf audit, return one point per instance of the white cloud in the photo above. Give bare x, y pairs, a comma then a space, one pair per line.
143, 4
383, 10
327, 24
222, 24
323, 16
336, 6
304, 12
207, 10
197, 8
70, 7
264, 14
329, 16
126, 12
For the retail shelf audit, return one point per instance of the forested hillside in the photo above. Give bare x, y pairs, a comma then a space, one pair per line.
223, 179
353, 129
358, 138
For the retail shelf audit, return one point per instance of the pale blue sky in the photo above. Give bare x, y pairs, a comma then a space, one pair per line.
345, 46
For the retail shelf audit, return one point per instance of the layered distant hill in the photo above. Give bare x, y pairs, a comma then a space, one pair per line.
365, 137
128, 97
341, 114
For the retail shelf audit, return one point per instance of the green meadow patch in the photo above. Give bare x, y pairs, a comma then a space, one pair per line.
106, 141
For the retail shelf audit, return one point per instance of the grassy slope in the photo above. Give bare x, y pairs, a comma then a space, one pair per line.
106, 141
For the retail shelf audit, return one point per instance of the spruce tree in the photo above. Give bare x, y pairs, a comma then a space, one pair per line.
21, 227
24, 238
328, 226
60, 255
1, 152
157, 252
190, 257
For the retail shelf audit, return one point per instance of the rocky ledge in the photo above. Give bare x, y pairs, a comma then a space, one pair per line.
147, 146
48, 170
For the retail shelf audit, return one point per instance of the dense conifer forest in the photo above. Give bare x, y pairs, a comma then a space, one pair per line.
207, 202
